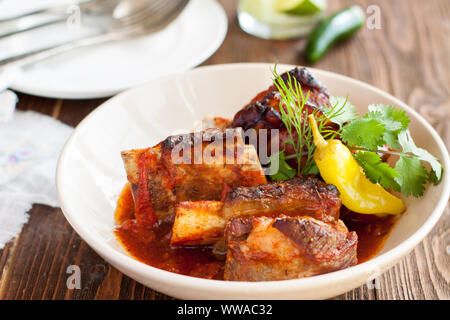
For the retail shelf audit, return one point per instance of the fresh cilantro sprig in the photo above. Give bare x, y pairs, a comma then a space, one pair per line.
367, 135
377, 170
346, 111
388, 126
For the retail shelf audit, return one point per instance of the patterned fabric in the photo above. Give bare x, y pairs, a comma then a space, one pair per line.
30, 144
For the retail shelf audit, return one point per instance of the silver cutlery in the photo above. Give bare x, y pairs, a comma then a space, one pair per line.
44, 17
128, 19
89, 6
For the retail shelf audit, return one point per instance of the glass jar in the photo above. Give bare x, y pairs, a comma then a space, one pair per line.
260, 18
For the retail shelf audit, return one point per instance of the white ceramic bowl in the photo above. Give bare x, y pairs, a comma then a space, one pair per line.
90, 174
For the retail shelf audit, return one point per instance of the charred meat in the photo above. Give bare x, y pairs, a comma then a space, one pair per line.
203, 222
306, 196
263, 111
198, 223
195, 166
266, 249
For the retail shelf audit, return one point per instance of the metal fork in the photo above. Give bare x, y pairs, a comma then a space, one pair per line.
90, 6
156, 15
44, 17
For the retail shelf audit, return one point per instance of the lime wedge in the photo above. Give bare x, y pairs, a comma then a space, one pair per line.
300, 7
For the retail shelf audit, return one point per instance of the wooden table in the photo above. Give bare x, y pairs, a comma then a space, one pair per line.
408, 57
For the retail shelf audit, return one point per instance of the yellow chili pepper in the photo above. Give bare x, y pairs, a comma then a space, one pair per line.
338, 167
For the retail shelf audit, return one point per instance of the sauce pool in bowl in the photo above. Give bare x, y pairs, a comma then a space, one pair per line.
152, 245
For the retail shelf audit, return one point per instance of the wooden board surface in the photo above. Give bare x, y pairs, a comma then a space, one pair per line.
409, 57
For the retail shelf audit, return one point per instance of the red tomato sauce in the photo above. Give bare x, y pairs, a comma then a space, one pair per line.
151, 245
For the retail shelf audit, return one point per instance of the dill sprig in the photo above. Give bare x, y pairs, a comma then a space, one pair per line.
294, 114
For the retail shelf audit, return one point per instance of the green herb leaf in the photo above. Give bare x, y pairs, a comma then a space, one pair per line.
408, 146
409, 174
394, 120
376, 170
380, 126
432, 177
412, 176
313, 169
343, 109
364, 132
391, 139
390, 115
389, 124
279, 169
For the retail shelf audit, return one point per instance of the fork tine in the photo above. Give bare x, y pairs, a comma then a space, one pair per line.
152, 16
168, 18
152, 6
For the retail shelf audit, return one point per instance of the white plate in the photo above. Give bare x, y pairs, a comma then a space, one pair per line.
90, 174
107, 69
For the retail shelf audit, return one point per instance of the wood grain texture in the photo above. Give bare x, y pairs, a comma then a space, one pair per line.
408, 57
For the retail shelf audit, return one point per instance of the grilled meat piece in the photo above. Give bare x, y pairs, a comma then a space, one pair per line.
195, 166
214, 123
202, 222
266, 249
263, 111
198, 223
306, 196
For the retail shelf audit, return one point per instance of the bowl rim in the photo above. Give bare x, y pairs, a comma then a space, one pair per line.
367, 268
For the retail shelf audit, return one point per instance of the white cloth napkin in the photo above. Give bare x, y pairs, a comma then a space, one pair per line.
8, 100
30, 144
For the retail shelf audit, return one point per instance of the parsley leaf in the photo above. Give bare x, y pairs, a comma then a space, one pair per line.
408, 146
394, 121
382, 125
376, 170
341, 109
364, 132
279, 169
391, 139
412, 176
391, 114
432, 177
388, 125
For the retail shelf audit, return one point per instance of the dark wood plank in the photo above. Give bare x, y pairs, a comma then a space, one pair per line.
6, 256
414, 65
38, 104
73, 111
